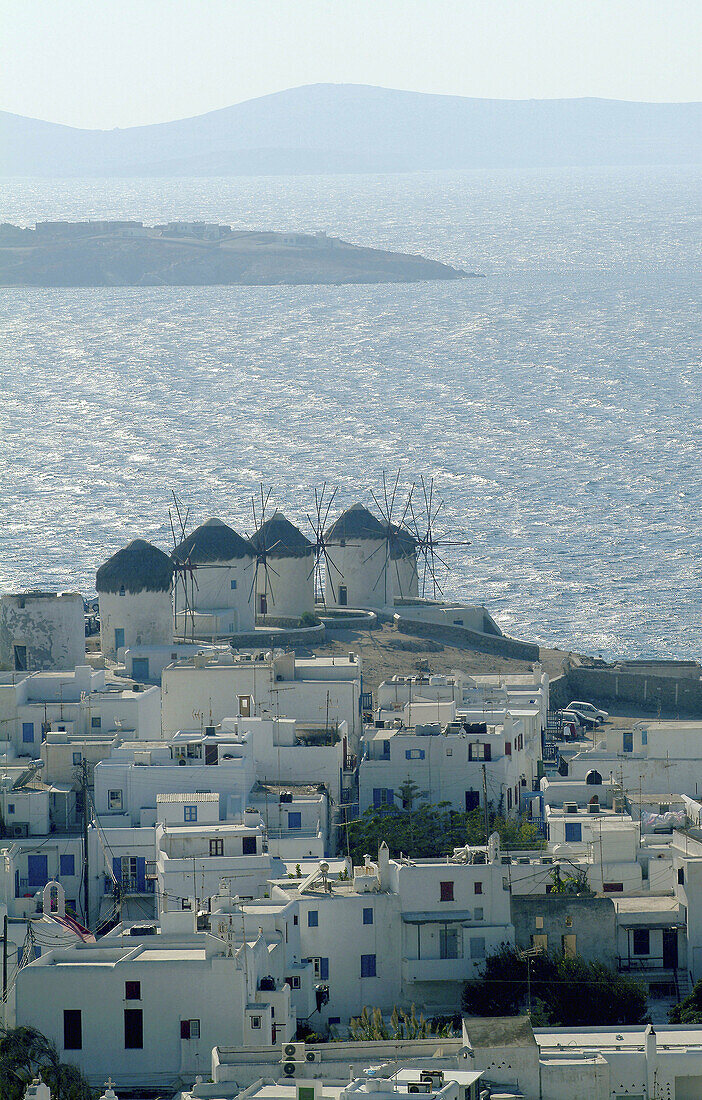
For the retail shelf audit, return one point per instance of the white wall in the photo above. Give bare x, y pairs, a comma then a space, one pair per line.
363, 566
51, 627
214, 592
291, 593
145, 617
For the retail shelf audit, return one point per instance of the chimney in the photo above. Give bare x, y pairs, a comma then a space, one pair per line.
384, 866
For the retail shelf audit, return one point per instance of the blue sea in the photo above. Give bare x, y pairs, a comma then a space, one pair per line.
557, 402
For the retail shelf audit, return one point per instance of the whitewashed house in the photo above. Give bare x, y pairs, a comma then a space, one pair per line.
134, 590
325, 691
214, 588
285, 570
41, 631
296, 816
653, 756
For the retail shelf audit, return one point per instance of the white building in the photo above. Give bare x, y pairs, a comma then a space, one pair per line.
403, 564
134, 593
284, 570
148, 1003
358, 547
128, 784
653, 756
447, 763
324, 691
296, 817
214, 588
41, 630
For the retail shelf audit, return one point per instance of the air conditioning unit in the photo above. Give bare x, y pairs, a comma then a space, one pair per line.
291, 1068
313, 1056
570, 807
151, 872
294, 1052
593, 808
210, 731
20, 829
419, 1086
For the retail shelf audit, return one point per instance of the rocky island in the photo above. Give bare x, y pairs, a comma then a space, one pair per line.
128, 253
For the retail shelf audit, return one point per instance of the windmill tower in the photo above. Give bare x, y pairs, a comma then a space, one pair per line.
283, 583
356, 549
218, 602
134, 591
324, 574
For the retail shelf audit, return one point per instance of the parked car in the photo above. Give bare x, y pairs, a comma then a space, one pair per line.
589, 711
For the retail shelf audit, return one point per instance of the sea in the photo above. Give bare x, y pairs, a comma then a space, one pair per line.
556, 402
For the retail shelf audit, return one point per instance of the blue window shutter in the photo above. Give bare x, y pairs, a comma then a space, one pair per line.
141, 875
573, 830
67, 865
367, 966
390, 796
313, 919
117, 868
367, 916
295, 820
377, 797
28, 733
408, 754
324, 969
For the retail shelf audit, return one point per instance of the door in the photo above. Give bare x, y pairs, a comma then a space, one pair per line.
119, 637
343, 596
627, 741
263, 604
140, 669
670, 949
472, 801
20, 656
211, 754
37, 873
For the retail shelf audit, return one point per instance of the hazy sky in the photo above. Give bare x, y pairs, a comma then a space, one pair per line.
108, 63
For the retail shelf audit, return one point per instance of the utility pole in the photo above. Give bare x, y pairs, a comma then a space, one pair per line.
485, 806
4, 966
86, 867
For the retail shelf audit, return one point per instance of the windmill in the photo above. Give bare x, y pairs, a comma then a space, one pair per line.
399, 543
323, 563
264, 546
183, 570
426, 524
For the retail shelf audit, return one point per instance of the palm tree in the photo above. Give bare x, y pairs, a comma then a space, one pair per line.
25, 1054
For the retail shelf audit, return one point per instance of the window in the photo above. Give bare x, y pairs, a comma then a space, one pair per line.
114, 800
644, 737
248, 845
449, 943
478, 751
509, 798
627, 741
294, 918
540, 943
320, 968
10, 807
472, 801
95, 722
569, 922
538, 922
573, 831
232, 585
28, 733
128, 872
72, 1029
190, 1029
478, 887
446, 891
67, 865
383, 796
189, 813
368, 916
508, 748
681, 876
612, 887
568, 946
477, 914
255, 1023
367, 966
449, 752
132, 991
313, 919
293, 981
216, 847
133, 1029
77, 758
414, 754
477, 947
186, 903
641, 941
294, 819
244, 706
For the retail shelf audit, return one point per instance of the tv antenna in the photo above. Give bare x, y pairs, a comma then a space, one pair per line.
426, 524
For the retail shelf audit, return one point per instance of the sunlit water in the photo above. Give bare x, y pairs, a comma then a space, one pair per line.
557, 402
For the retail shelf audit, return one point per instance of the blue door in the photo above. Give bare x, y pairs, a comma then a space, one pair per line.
37, 873
140, 669
119, 637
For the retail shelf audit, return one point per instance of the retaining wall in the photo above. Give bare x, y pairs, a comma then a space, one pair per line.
678, 694
498, 644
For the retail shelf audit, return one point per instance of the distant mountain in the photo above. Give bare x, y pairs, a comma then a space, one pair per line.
356, 128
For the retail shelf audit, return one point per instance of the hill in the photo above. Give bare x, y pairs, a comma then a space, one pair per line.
355, 128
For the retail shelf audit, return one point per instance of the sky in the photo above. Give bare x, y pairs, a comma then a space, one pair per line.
107, 63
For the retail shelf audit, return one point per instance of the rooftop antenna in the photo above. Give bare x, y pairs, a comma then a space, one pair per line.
398, 542
324, 567
433, 539
263, 549
184, 571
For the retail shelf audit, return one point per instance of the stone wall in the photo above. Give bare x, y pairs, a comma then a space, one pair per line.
591, 920
498, 644
675, 694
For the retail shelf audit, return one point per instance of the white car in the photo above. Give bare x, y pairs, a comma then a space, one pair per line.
588, 711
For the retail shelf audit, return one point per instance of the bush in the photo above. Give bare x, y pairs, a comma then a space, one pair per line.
688, 1011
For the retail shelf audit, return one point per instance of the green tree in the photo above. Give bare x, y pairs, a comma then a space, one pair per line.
430, 831
688, 1011
565, 992
25, 1054
575, 883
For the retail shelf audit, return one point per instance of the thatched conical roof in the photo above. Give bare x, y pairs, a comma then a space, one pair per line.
403, 544
279, 538
214, 541
356, 523
139, 567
